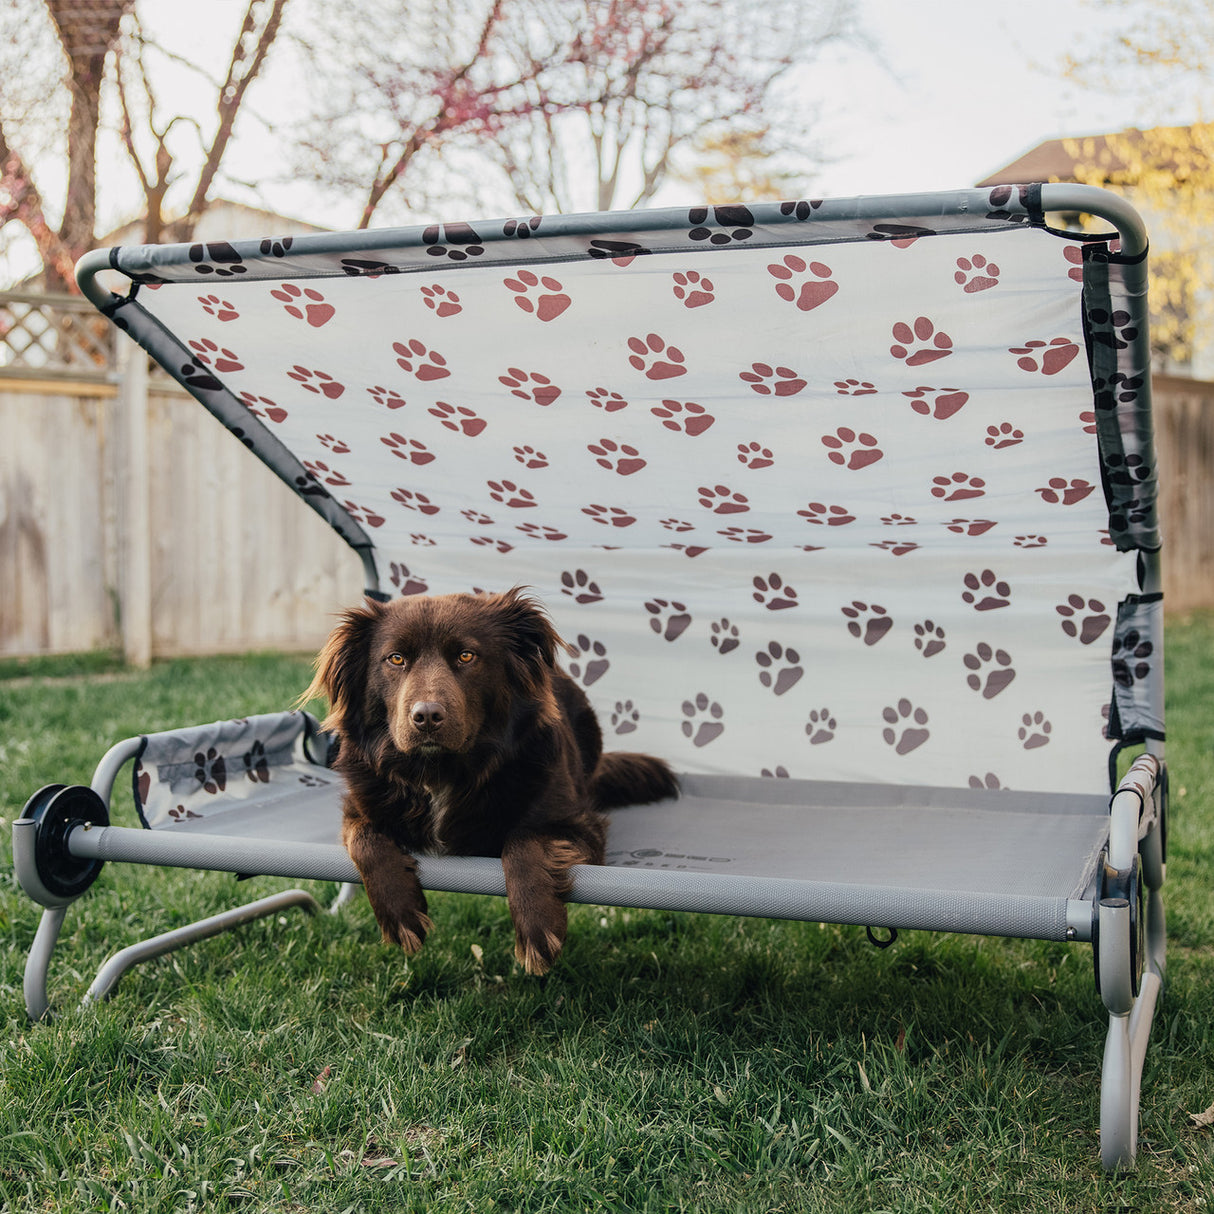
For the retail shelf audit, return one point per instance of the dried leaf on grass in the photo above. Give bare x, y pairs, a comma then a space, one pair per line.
1201, 1120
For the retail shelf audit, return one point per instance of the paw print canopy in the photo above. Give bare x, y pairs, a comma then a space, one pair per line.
856, 490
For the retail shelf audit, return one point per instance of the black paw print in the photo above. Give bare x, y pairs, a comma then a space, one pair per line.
737, 218
624, 717
1130, 654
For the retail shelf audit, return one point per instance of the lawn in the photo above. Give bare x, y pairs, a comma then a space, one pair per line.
669, 1062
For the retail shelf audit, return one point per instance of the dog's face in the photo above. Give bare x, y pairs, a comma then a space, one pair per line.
431, 676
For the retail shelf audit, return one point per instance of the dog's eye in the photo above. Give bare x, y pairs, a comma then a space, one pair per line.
396, 659
466, 657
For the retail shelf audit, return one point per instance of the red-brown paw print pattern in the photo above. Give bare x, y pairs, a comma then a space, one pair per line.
811, 509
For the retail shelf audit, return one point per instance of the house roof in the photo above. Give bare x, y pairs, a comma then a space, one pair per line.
1059, 159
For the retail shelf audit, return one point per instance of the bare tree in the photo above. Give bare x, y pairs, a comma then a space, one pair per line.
651, 78
101, 46
413, 85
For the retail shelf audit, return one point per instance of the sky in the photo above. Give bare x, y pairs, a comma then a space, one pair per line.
956, 90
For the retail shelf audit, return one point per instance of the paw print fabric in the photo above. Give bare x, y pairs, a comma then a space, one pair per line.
206, 776
806, 491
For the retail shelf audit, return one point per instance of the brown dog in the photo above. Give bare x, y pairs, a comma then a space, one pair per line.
458, 734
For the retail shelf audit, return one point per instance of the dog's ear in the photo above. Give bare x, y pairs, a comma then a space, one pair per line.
531, 635
341, 666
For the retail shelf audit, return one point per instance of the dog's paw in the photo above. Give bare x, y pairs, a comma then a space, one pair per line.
409, 931
537, 950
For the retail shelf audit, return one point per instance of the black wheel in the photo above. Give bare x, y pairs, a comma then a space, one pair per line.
57, 809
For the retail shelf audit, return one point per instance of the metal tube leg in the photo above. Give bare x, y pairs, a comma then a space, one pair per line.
1118, 1108
166, 942
36, 965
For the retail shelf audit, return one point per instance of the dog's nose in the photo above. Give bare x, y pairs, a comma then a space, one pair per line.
427, 715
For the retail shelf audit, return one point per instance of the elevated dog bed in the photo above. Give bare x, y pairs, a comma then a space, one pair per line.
848, 508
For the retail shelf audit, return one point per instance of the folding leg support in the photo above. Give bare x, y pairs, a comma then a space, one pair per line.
1130, 1014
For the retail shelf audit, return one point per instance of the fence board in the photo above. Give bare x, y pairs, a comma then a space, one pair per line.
238, 563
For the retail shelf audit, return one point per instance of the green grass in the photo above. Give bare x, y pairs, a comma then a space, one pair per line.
669, 1062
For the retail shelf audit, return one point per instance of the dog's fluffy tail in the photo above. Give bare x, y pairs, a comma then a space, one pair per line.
627, 778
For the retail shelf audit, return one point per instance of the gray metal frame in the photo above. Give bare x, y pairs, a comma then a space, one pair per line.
1135, 817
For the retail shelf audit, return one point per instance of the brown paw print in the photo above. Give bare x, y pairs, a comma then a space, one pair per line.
905, 727
895, 547
940, 403
590, 662
774, 593
221, 309
420, 362
1003, 435
541, 531
1084, 619
408, 448
985, 591
405, 582
543, 298
870, 623
459, 418
958, 487
530, 385
616, 457
767, 380
975, 273
779, 668
855, 387
919, 343
724, 636
668, 618
304, 304
529, 457
850, 449
684, 417
826, 515
994, 664
441, 302
321, 471
604, 399
264, 407
755, 456
320, 382
212, 354
692, 290
609, 516
806, 284
929, 638
1059, 491
655, 358
624, 717
580, 587
970, 526
1034, 731
744, 535
511, 495
720, 499
821, 726
1047, 357
702, 719
388, 397
412, 500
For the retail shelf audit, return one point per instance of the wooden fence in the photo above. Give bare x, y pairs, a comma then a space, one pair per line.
130, 518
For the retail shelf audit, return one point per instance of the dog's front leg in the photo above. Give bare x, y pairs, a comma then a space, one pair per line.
389, 875
536, 869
